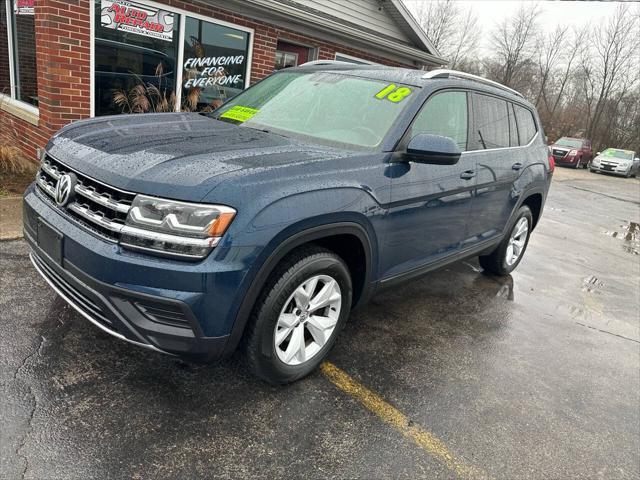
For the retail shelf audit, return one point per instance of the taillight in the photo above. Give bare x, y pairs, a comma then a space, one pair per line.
552, 163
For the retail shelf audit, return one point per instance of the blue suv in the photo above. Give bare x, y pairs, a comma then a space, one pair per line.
263, 224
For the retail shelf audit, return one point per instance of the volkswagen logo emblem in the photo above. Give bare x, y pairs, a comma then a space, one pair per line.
65, 188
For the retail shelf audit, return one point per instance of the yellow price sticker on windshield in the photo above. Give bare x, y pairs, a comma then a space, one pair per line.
239, 113
393, 93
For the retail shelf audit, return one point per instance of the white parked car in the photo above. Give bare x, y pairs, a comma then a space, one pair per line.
615, 160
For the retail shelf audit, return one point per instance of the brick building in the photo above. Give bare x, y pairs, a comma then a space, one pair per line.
64, 60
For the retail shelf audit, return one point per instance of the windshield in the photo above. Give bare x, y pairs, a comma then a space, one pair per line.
614, 152
328, 107
569, 142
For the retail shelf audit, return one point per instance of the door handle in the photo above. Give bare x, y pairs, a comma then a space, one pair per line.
516, 166
468, 175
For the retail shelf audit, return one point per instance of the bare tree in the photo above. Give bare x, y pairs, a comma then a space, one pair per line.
454, 32
513, 42
550, 52
612, 63
584, 82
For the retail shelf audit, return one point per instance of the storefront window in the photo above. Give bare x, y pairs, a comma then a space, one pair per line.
5, 79
19, 41
215, 64
137, 47
135, 58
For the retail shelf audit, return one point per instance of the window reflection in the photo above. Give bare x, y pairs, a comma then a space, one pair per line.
215, 64
135, 68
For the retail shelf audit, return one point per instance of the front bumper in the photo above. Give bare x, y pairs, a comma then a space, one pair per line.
180, 308
615, 169
566, 161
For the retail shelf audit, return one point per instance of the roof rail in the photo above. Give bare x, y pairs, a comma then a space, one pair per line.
325, 62
443, 73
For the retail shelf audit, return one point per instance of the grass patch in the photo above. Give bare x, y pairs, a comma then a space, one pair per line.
16, 170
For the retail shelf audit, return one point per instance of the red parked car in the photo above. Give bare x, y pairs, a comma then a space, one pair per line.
572, 152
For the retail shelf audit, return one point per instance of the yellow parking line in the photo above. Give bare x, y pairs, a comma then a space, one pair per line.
391, 415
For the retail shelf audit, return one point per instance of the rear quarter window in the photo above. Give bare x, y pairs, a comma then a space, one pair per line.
526, 124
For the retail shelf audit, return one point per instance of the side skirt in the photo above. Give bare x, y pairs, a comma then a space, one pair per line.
483, 248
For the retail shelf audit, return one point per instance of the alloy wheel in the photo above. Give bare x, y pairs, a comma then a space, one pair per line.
308, 319
517, 241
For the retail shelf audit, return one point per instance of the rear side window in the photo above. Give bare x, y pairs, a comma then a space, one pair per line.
491, 122
526, 124
444, 114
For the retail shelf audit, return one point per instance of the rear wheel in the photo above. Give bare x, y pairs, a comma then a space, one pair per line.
504, 259
298, 315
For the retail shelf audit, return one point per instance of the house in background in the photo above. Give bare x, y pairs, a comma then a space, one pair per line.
63, 60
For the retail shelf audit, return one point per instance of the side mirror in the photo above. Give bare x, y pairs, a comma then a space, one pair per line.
427, 148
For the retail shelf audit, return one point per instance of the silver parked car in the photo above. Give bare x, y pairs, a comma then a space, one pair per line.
615, 160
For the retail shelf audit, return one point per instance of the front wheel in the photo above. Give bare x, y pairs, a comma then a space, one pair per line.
504, 259
298, 315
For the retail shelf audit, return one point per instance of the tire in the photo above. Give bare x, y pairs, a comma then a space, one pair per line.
277, 308
497, 262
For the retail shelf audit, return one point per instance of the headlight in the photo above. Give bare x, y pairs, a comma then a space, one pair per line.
177, 228
573, 153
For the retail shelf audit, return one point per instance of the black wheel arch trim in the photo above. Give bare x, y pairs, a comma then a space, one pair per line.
283, 248
523, 198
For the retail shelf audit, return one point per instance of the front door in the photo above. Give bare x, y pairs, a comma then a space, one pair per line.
430, 204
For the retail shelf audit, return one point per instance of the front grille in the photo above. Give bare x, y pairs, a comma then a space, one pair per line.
559, 153
98, 207
81, 300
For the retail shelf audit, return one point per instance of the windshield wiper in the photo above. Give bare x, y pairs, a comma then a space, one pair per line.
484, 145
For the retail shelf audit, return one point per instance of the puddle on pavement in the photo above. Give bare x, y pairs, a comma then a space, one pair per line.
629, 234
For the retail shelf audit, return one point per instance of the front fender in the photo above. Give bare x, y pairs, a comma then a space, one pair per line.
288, 239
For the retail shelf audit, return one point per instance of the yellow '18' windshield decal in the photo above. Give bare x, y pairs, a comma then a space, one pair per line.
393, 93
239, 113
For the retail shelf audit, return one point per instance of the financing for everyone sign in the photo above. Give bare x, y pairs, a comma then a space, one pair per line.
207, 71
136, 18
24, 7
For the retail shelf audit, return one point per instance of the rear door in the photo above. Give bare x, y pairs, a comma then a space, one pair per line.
494, 142
430, 204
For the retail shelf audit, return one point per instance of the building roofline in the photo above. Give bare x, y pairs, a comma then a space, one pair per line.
291, 12
415, 30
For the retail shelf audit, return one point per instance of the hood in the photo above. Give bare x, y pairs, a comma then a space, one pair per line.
174, 155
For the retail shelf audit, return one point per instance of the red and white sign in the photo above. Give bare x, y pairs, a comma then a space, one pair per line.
24, 7
137, 18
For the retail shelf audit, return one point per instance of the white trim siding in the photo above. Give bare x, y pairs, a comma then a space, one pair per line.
356, 59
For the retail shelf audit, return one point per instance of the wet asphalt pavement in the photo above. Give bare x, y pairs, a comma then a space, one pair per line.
536, 375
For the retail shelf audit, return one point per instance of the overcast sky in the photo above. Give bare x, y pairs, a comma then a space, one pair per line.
578, 13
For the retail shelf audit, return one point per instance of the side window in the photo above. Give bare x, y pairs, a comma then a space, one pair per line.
444, 114
492, 122
513, 129
526, 124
